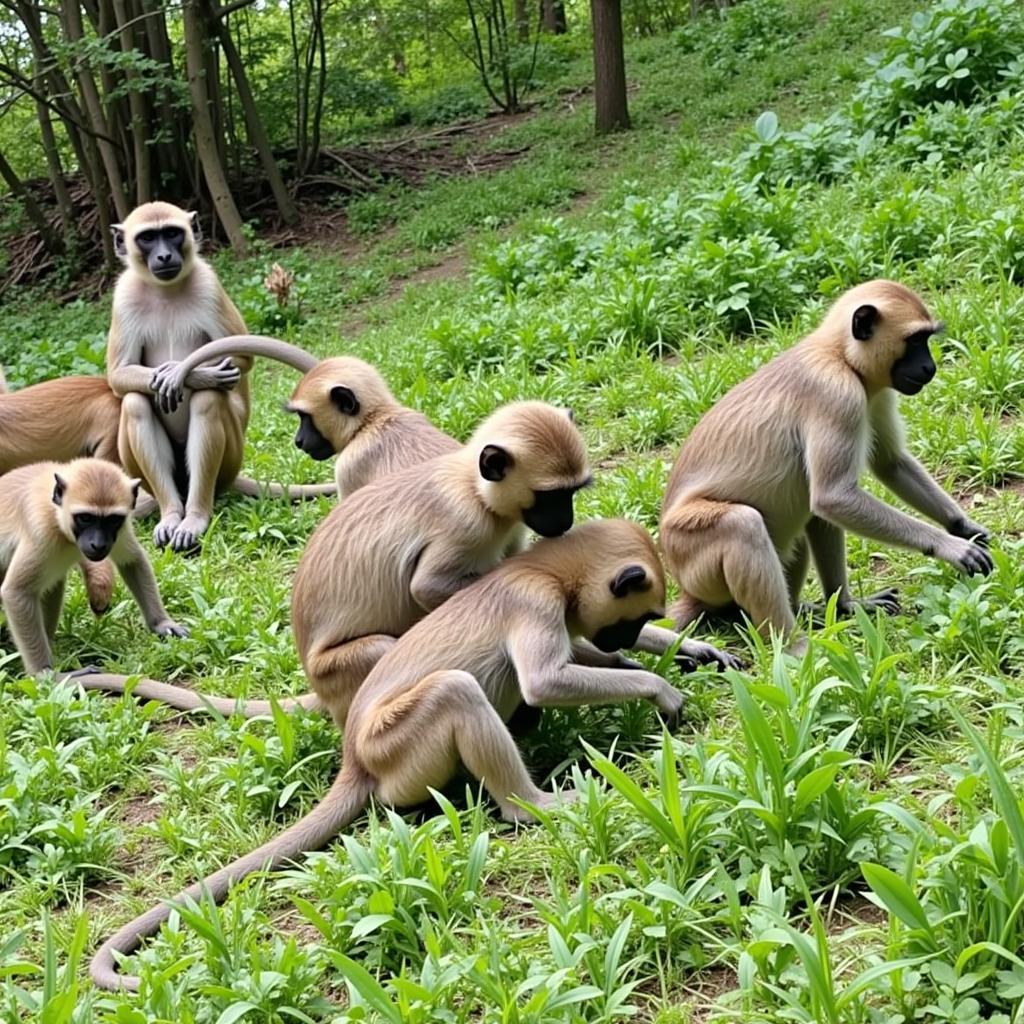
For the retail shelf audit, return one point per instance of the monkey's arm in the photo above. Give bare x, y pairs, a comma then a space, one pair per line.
690, 653
585, 653
902, 474
436, 578
540, 653
125, 370
140, 579
833, 459
25, 614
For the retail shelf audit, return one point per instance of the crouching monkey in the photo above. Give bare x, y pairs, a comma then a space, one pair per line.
770, 474
442, 693
51, 515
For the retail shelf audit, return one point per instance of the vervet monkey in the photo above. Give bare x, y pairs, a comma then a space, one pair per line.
51, 515
403, 544
345, 408
443, 692
60, 420
167, 302
770, 474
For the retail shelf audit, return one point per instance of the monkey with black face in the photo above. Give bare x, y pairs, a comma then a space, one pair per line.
167, 303
443, 692
344, 407
51, 515
769, 476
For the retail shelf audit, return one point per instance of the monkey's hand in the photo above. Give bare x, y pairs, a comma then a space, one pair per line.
168, 627
967, 556
669, 702
969, 530
78, 673
167, 386
692, 653
224, 376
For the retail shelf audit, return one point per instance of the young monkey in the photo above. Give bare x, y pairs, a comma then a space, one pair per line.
770, 474
345, 408
51, 515
444, 690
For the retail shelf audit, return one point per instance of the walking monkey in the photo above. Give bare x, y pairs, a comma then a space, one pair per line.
770, 474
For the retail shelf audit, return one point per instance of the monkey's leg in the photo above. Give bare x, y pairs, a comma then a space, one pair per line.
336, 673
52, 602
212, 452
27, 625
415, 741
730, 556
828, 546
99, 583
795, 570
145, 451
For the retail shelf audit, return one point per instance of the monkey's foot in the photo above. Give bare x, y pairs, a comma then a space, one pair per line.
170, 628
166, 528
87, 670
692, 653
887, 600
186, 536
146, 505
545, 801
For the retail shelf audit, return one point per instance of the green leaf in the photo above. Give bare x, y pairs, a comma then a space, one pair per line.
363, 984
236, 1011
898, 897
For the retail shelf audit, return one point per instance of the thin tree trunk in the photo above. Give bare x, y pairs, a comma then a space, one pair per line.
32, 208
75, 32
141, 151
206, 140
610, 109
321, 84
522, 20
54, 166
257, 132
553, 17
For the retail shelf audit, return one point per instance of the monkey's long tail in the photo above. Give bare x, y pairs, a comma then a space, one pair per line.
342, 804
249, 345
183, 699
293, 492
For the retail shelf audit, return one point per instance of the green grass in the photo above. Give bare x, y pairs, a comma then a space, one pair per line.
836, 839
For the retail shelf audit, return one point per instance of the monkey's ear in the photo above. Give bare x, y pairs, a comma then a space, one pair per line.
865, 320
117, 230
495, 462
135, 485
59, 487
197, 228
632, 578
344, 400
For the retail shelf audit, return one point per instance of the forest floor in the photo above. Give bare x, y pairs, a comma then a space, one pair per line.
824, 840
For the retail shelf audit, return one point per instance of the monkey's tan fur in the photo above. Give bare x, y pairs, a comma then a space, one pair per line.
770, 473
38, 548
443, 691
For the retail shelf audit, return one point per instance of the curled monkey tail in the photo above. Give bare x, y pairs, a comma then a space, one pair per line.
183, 699
249, 345
293, 492
342, 804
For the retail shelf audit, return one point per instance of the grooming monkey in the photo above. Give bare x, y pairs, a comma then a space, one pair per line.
770, 474
51, 515
443, 692
344, 407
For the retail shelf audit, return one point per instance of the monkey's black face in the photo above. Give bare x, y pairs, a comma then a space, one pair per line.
162, 250
915, 367
96, 535
622, 634
550, 515
310, 440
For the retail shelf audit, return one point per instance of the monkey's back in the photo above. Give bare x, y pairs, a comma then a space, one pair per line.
59, 419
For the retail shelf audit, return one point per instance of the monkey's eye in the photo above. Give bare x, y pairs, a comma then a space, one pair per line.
174, 234
83, 520
114, 523
146, 236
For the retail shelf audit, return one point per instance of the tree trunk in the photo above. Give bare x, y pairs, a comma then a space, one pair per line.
610, 110
257, 133
553, 17
55, 167
75, 32
206, 140
32, 209
141, 150
522, 20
